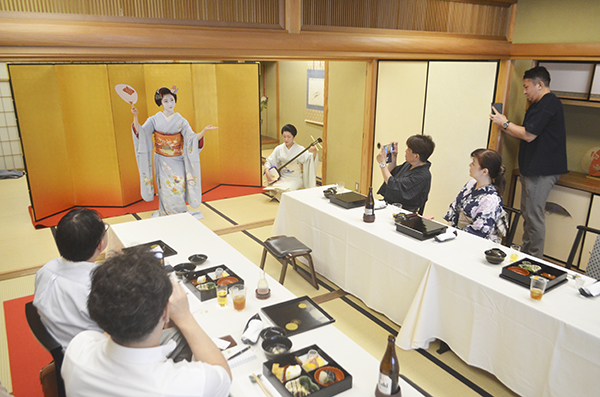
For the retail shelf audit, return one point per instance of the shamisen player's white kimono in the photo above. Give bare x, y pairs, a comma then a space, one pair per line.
176, 163
302, 172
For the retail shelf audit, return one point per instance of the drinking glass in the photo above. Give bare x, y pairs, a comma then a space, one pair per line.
537, 287
238, 295
222, 295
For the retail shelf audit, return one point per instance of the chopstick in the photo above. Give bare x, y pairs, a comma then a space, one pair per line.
262, 386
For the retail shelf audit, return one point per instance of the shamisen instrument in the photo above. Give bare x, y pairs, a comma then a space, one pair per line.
276, 172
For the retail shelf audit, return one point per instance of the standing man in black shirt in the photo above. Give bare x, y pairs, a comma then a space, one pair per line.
542, 153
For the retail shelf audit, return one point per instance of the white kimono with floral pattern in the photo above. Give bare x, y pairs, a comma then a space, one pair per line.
178, 177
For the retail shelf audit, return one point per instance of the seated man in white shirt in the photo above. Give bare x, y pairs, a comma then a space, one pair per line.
62, 285
132, 298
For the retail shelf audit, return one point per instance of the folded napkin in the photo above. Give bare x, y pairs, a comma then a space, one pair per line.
379, 204
252, 330
590, 291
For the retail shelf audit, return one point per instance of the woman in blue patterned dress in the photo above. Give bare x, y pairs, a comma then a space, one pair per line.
478, 206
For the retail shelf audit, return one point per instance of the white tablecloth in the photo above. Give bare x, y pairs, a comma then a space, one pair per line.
449, 291
188, 236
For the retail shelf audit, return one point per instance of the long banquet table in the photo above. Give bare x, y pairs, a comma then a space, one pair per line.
450, 292
188, 236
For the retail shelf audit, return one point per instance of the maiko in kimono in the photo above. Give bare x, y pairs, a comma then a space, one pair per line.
176, 150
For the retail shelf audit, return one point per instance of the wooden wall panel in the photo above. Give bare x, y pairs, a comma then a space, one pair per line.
87, 117
39, 113
241, 11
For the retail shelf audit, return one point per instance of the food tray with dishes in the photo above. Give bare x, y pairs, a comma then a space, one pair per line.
203, 283
520, 272
307, 372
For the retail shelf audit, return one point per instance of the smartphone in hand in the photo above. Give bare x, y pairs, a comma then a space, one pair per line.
497, 106
388, 149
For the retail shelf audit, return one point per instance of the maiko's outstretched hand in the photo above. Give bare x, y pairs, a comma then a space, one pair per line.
209, 127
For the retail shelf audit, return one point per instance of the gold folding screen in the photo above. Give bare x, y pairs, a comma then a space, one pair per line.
76, 130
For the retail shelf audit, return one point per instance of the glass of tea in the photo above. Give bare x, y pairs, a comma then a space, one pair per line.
238, 295
537, 287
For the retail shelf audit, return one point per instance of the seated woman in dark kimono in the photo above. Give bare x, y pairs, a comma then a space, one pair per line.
407, 184
478, 206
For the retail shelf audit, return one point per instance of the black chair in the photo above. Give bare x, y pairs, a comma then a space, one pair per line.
41, 334
286, 249
513, 220
579, 239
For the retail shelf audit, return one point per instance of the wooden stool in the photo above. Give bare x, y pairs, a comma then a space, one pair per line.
286, 250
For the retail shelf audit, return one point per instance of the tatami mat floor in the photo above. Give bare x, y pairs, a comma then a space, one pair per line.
243, 222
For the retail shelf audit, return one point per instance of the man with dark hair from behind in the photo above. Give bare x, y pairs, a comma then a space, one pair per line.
62, 285
542, 153
132, 298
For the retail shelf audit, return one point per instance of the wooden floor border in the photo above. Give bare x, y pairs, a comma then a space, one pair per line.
247, 226
338, 293
19, 273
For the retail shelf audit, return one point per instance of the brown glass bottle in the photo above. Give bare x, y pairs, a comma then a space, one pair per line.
369, 215
389, 371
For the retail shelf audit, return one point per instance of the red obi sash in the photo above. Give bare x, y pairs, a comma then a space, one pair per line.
168, 145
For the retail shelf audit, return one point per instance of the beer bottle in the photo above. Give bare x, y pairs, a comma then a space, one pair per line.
389, 371
369, 215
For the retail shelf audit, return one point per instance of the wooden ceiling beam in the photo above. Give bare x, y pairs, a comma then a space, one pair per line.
43, 39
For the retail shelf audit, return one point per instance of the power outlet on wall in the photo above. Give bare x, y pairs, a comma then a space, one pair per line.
356, 186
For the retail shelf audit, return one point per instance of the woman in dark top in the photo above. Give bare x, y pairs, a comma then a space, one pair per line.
409, 183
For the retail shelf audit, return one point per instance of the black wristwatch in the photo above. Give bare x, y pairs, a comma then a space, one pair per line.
505, 125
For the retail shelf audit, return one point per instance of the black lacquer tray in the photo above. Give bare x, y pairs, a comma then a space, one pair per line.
298, 315
167, 250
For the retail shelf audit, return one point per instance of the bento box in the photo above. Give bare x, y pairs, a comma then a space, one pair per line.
521, 271
314, 372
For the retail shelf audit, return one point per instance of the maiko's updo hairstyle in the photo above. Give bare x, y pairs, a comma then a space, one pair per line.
491, 159
289, 128
160, 93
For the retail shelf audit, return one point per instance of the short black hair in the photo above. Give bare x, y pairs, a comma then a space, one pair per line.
129, 294
78, 234
538, 73
422, 145
158, 96
289, 128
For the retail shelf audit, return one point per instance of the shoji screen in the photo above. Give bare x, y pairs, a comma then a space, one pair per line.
399, 110
459, 98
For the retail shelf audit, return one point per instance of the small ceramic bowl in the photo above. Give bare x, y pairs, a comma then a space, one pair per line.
227, 280
270, 332
276, 346
339, 375
198, 259
183, 268
495, 256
